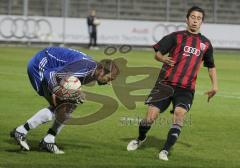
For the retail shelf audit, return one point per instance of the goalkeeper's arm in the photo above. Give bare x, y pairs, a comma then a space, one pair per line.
58, 93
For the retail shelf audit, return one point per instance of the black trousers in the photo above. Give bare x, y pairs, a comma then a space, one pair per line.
93, 39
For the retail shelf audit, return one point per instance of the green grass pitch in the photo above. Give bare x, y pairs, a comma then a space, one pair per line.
210, 137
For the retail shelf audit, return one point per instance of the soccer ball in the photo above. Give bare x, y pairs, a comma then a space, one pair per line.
68, 88
71, 83
96, 22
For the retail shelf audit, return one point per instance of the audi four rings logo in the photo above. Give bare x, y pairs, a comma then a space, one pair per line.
28, 28
163, 29
191, 50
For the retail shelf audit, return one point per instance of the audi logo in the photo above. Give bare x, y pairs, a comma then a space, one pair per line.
163, 29
192, 50
28, 28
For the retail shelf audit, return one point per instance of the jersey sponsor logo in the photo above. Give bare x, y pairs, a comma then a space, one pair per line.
190, 50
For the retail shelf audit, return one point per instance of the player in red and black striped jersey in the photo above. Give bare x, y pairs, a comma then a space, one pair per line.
186, 51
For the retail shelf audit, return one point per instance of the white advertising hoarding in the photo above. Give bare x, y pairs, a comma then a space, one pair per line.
74, 30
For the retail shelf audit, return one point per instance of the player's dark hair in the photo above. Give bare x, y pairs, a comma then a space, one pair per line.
195, 8
109, 66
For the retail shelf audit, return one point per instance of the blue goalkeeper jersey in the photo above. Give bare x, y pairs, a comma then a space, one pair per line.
53, 63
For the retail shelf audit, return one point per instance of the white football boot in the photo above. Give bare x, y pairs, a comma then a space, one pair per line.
135, 144
163, 155
20, 138
50, 147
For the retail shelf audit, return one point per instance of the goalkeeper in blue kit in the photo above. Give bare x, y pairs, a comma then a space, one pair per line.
45, 70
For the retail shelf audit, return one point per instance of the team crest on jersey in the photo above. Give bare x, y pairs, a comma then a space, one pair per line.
202, 46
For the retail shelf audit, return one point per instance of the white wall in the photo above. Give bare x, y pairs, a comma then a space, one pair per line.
51, 29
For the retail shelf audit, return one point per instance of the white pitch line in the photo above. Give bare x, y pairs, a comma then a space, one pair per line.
221, 95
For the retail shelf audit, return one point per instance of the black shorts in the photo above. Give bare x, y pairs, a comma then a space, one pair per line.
181, 98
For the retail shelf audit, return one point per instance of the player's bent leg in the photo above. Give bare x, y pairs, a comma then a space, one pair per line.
145, 124
41, 117
62, 114
20, 133
144, 127
178, 116
174, 132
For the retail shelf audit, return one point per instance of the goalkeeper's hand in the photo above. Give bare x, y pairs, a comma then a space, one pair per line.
61, 95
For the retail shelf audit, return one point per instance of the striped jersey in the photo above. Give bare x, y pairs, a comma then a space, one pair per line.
53, 63
188, 51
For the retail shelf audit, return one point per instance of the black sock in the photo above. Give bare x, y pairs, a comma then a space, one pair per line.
144, 127
52, 132
173, 135
26, 126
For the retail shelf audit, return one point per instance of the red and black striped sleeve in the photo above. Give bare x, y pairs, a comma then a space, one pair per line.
165, 44
208, 60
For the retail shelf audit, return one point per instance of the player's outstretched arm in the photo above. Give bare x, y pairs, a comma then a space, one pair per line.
213, 76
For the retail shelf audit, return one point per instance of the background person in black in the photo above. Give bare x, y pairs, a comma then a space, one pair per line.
187, 49
92, 23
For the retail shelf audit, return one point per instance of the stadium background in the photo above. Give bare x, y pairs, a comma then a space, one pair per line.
210, 137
